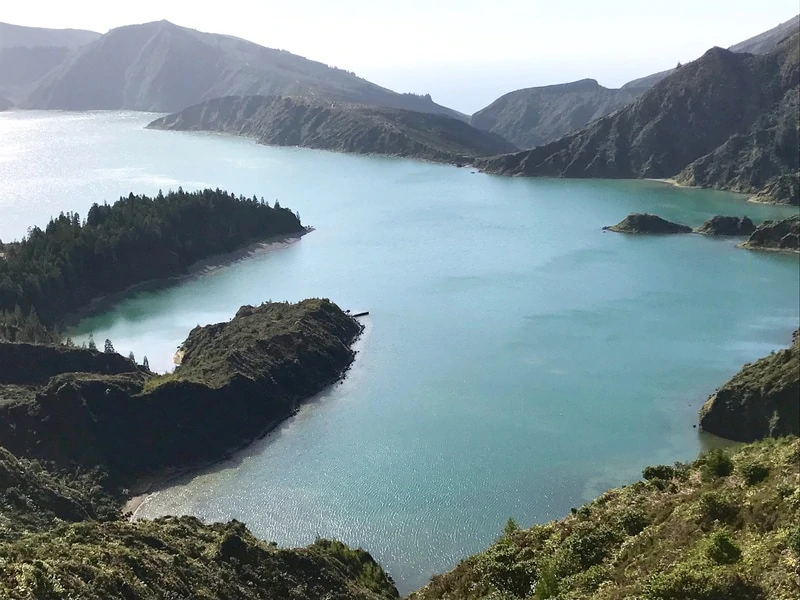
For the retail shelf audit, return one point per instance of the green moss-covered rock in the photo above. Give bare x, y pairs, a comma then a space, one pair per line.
763, 399
687, 537
645, 223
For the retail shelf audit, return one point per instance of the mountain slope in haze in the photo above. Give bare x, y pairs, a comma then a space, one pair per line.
339, 126
21, 67
535, 116
763, 43
164, 68
14, 36
766, 42
687, 115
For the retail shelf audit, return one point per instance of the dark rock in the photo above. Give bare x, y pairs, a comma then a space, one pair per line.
762, 400
721, 225
776, 235
780, 190
644, 223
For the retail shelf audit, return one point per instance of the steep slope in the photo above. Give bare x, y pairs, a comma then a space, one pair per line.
14, 36
162, 67
763, 399
339, 126
766, 42
763, 43
686, 116
723, 527
535, 116
776, 235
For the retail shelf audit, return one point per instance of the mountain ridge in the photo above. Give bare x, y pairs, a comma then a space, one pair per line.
338, 126
162, 67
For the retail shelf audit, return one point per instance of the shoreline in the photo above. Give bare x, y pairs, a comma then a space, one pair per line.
196, 269
142, 490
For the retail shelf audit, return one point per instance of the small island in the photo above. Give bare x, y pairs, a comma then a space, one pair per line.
727, 226
340, 127
640, 223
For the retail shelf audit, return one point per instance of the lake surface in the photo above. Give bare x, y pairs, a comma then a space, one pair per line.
517, 360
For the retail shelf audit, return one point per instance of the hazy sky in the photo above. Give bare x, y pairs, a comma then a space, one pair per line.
464, 53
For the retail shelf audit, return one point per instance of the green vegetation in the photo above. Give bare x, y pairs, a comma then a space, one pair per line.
56, 271
763, 399
181, 558
709, 530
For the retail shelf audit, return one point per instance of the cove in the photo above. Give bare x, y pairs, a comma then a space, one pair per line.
517, 360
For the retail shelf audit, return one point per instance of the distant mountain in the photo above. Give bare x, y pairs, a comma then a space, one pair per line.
534, 116
338, 126
21, 67
18, 36
737, 113
763, 43
163, 67
5, 103
766, 42
538, 115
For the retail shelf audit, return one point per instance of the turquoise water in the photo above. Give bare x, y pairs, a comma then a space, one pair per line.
517, 360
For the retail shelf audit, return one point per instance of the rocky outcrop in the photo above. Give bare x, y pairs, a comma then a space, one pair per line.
644, 223
718, 105
781, 190
721, 225
237, 379
761, 400
776, 235
338, 126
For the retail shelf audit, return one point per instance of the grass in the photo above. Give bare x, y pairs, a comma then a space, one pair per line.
724, 527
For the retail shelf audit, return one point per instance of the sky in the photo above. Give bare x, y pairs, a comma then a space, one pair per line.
465, 53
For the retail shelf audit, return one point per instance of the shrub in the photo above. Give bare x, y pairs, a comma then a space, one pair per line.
714, 507
658, 472
722, 550
506, 570
588, 546
753, 472
697, 582
794, 540
716, 463
633, 521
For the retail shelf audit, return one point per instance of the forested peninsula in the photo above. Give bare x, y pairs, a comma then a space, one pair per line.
57, 270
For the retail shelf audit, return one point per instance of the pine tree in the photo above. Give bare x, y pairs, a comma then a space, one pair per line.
131, 357
146, 364
92, 345
108, 348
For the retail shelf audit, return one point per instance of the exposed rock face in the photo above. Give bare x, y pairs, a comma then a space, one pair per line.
761, 400
644, 223
236, 380
721, 225
686, 116
162, 67
338, 126
776, 235
535, 116
781, 190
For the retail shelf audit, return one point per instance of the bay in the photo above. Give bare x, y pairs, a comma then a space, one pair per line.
517, 360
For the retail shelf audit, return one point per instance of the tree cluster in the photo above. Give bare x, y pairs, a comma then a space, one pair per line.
54, 271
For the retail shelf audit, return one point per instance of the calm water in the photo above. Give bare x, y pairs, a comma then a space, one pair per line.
517, 359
